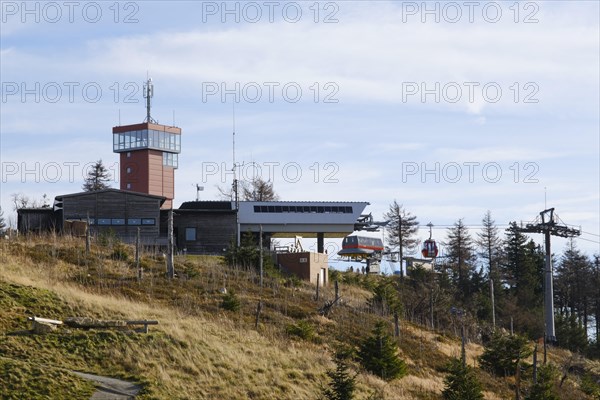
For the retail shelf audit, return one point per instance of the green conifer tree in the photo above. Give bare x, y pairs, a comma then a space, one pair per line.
342, 384
543, 389
461, 383
378, 354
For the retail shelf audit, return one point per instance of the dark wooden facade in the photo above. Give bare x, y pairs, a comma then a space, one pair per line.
36, 220
203, 227
117, 211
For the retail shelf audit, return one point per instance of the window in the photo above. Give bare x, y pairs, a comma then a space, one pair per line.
103, 221
129, 186
128, 170
128, 154
117, 221
170, 160
134, 221
190, 234
148, 221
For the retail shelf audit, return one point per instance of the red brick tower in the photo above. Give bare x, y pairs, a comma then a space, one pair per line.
149, 155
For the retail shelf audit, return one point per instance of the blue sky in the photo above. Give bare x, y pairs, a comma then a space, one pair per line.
448, 108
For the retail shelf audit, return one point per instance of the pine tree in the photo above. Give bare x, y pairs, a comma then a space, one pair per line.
259, 190
342, 384
378, 354
573, 283
461, 257
461, 383
571, 333
490, 246
503, 353
2, 222
97, 178
401, 231
543, 389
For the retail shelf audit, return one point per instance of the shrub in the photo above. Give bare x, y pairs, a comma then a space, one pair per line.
302, 329
119, 252
231, 302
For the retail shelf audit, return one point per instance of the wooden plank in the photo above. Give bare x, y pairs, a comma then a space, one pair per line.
45, 320
144, 322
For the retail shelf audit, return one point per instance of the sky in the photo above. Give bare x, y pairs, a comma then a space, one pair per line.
450, 108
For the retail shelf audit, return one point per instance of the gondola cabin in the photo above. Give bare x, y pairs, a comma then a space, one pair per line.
430, 249
361, 246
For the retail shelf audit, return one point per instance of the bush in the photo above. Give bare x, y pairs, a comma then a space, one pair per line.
590, 386
461, 383
119, 253
378, 354
302, 329
231, 302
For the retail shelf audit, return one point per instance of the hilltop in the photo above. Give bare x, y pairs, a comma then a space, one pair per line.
207, 344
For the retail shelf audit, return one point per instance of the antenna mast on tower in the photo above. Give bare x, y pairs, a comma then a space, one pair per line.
148, 94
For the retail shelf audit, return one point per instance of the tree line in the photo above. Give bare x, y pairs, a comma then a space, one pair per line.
512, 265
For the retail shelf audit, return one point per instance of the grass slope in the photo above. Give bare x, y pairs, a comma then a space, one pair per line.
199, 350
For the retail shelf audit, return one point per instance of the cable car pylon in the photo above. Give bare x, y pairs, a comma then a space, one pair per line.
547, 223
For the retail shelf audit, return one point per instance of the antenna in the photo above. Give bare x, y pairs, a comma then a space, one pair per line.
148, 94
235, 183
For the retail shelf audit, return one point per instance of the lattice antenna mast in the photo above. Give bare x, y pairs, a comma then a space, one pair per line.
549, 224
148, 94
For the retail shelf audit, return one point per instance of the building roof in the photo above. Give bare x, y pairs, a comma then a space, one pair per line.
281, 218
207, 205
127, 192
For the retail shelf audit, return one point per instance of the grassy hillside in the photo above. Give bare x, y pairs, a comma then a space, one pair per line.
200, 350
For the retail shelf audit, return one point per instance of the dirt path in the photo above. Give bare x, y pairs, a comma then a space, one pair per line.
111, 388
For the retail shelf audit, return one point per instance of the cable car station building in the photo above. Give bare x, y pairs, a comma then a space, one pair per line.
148, 154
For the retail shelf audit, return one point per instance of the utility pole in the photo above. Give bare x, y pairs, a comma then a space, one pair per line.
493, 304
170, 268
547, 223
260, 245
400, 244
137, 255
87, 236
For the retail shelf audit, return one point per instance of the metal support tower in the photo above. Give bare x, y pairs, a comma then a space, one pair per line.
548, 223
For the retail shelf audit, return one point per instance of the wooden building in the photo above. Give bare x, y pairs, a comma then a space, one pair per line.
37, 220
202, 227
116, 211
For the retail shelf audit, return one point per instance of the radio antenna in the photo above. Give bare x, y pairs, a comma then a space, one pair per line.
148, 94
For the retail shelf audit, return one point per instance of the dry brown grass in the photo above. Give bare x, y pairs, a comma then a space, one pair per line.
209, 353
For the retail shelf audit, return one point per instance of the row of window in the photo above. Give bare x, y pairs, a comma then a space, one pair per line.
147, 138
118, 221
304, 209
